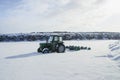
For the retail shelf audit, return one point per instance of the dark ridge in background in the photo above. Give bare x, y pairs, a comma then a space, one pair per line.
35, 36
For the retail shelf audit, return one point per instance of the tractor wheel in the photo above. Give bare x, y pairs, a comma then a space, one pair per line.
45, 50
39, 50
61, 48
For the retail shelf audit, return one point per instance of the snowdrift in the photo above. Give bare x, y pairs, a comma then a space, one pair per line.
115, 51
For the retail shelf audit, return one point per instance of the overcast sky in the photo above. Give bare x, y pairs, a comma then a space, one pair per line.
59, 15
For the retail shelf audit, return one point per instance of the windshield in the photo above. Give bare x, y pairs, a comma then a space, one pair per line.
56, 38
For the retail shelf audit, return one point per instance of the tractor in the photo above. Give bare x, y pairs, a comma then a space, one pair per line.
53, 44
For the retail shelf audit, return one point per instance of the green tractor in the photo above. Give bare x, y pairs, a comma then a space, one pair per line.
53, 44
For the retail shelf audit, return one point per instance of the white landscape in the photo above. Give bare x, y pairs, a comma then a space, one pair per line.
20, 61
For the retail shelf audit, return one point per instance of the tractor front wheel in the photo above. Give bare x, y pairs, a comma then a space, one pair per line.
45, 50
39, 50
61, 48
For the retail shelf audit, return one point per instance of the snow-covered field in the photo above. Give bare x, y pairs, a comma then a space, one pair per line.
20, 61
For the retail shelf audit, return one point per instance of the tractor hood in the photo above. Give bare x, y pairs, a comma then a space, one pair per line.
44, 45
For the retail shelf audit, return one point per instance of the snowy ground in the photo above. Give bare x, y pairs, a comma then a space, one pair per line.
20, 61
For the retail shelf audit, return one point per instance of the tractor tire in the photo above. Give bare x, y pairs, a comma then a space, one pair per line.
39, 50
61, 48
45, 50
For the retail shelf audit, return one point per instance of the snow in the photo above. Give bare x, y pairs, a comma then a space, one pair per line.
20, 61
115, 51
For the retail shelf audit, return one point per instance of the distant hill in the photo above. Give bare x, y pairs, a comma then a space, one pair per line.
34, 36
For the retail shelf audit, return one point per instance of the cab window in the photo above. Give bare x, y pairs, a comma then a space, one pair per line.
56, 39
60, 38
50, 39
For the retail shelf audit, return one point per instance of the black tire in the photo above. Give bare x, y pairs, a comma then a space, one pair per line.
61, 48
45, 50
39, 50
89, 48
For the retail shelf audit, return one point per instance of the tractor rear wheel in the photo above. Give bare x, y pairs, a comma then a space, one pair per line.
61, 48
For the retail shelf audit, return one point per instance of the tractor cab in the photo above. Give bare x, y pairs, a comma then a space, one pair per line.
55, 38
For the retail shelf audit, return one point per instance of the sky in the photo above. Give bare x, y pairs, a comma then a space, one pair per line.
59, 15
